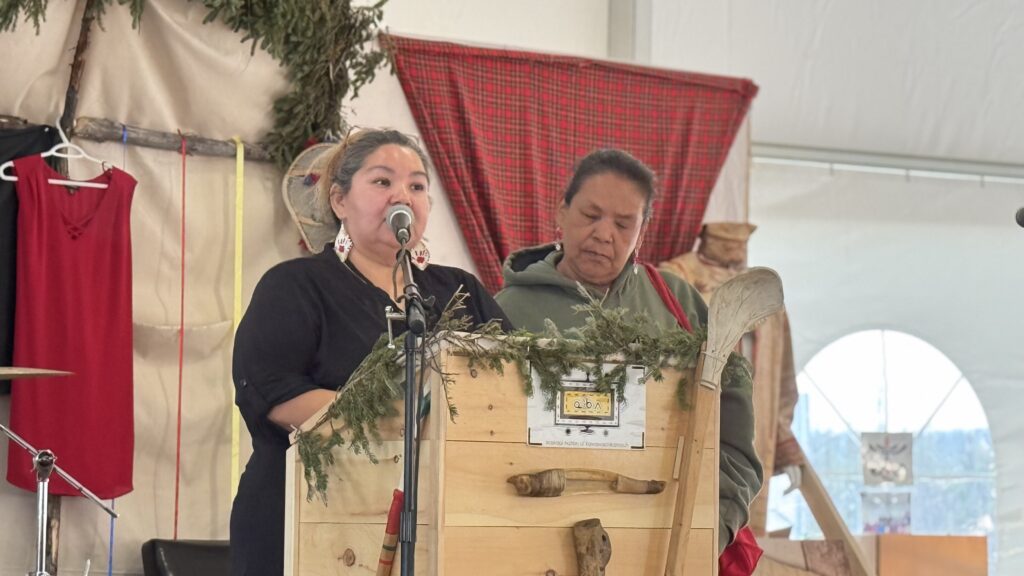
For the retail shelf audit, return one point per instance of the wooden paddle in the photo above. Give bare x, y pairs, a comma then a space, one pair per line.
736, 308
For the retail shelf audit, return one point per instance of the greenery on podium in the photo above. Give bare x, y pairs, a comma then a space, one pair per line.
372, 390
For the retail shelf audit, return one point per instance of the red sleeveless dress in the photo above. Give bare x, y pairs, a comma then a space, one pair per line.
74, 312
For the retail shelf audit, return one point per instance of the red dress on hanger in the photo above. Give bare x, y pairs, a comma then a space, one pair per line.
74, 313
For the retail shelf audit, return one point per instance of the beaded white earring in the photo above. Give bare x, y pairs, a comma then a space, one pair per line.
342, 243
420, 255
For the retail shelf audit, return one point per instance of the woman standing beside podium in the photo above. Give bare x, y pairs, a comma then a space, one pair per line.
311, 321
604, 212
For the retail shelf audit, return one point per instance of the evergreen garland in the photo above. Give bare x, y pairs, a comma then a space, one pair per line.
373, 388
324, 44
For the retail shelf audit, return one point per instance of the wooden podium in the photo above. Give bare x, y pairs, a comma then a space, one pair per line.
471, 520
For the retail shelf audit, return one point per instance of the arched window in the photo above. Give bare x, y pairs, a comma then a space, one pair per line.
876, 389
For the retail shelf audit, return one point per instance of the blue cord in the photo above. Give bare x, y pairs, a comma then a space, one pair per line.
124, 146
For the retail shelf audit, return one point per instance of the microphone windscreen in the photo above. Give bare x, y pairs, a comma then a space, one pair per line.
398, 216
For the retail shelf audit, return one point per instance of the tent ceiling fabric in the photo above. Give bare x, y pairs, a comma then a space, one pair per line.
933, 79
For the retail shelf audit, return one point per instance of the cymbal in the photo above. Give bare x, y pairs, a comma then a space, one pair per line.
10, 373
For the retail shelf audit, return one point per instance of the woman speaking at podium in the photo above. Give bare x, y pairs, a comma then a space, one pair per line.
601, 221
312, 320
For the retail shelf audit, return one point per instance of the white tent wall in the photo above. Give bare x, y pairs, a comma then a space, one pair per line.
938, 259
176, 73
899, 81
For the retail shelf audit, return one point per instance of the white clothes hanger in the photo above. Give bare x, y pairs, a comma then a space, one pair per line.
64, 149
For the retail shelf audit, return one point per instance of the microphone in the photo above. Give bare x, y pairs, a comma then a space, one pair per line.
399, 218
1020, 217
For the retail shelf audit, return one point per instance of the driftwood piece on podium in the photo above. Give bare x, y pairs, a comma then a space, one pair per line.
593, 547
559, 481
831, 523
736, 308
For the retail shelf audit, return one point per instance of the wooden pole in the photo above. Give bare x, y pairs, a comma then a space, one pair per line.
53, 538
77, 68
702, 398
101, 130
70, 106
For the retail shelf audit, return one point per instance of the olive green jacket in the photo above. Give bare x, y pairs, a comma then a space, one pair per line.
535, 291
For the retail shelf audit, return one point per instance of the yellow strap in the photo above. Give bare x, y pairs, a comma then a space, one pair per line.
236, 420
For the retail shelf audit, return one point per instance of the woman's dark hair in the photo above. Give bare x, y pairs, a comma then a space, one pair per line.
618, 162
349, 156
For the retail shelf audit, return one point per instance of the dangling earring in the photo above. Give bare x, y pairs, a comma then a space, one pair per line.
342, 243
420, 255
636, 256
558, 238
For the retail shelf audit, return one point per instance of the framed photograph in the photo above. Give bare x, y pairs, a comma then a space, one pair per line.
887, 458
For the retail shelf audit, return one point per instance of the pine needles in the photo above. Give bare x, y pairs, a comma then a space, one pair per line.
607, 335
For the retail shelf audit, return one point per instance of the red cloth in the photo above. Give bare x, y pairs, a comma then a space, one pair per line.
740, 558
504, 129
74, 313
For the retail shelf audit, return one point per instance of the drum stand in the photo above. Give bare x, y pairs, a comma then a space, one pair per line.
44, 462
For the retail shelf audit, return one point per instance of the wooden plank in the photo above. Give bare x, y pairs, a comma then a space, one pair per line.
783, 550
826, 557
350, 550
347, 549
360, 491
900, 554
830, 522
770, 567
438, 430
293, 476
710, 469
478, 493
505, 551
493, 406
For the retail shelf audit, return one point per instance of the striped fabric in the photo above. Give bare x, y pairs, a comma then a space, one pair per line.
504, 129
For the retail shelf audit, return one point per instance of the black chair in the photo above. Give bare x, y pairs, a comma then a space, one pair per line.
185, 558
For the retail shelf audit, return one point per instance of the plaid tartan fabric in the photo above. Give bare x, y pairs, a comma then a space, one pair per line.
504, 129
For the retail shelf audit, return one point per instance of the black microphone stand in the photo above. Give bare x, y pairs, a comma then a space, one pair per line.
415, 320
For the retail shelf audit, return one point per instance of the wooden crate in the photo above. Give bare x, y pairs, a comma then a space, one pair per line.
471, 521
